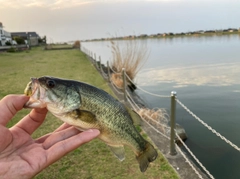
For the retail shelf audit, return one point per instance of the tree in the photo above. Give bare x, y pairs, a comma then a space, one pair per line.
42, 40
19, 40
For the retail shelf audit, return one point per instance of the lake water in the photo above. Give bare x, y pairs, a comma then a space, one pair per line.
205, 73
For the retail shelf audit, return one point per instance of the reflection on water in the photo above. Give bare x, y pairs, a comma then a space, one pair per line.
223, 74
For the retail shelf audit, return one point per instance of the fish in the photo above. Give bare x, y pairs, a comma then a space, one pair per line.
87, 107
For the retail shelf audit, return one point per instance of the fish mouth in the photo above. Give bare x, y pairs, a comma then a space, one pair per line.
31, 87
35, 85
36, 94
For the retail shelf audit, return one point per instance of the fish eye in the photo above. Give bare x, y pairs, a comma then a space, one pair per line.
50, 83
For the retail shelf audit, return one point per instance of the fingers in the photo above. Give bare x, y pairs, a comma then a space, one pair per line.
61, 148
62, 127
10, 105
58, 136
33, 120
5, 138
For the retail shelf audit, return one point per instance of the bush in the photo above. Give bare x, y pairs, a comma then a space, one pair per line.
131, 55
76, 44
12, 49
19, 40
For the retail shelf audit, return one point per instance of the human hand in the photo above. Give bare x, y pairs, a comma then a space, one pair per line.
24, 157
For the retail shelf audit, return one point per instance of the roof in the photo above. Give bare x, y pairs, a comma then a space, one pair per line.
20, 34
33, 34
25, 34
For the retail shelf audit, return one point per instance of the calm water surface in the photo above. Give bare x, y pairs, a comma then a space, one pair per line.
205, 72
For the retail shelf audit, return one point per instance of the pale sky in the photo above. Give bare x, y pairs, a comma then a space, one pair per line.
65, 20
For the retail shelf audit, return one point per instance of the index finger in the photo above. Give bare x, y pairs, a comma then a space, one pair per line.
10, 105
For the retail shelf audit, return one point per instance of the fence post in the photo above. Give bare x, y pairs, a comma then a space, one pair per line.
173, 115
124, 85
108, 71
100, 66
95, 60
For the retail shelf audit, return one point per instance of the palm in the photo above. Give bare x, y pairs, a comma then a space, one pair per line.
22, 152
23, 157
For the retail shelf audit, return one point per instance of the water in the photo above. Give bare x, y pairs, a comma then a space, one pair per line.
205, 72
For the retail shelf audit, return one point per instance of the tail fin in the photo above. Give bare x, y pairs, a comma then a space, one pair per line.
147, 156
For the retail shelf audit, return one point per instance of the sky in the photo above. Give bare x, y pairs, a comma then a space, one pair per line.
67, 20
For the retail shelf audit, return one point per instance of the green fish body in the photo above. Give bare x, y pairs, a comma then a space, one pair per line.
85, 106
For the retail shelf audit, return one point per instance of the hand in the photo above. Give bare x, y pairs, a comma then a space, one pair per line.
24, 157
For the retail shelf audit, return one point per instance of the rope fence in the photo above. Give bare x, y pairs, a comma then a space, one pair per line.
161, 127
207, 126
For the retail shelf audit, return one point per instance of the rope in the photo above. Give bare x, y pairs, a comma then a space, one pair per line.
161, 96
157, 122
113, 70
195, 158
129, 96
115, 87
138, 108
190, 152
150, 125
105, 76
134, 107
208, 127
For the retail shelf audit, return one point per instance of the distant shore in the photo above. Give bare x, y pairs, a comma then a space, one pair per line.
228, 31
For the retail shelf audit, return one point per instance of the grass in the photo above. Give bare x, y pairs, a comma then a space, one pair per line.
94, 159
58, 46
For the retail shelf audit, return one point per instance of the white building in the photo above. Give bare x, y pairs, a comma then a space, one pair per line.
4, 36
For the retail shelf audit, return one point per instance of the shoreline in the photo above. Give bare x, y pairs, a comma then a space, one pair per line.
230, 31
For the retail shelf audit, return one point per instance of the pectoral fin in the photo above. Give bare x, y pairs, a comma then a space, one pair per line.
83, 115
118, 151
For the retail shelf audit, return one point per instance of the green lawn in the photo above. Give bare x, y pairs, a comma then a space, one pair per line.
93, 160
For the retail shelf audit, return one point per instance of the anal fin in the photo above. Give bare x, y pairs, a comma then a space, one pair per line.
118, 151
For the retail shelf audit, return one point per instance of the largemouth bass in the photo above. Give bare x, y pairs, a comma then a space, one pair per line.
85, 106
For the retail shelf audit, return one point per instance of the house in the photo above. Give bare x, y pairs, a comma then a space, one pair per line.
232, 30
199, 32
34, 37
30, 37
143, 36
4, 36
